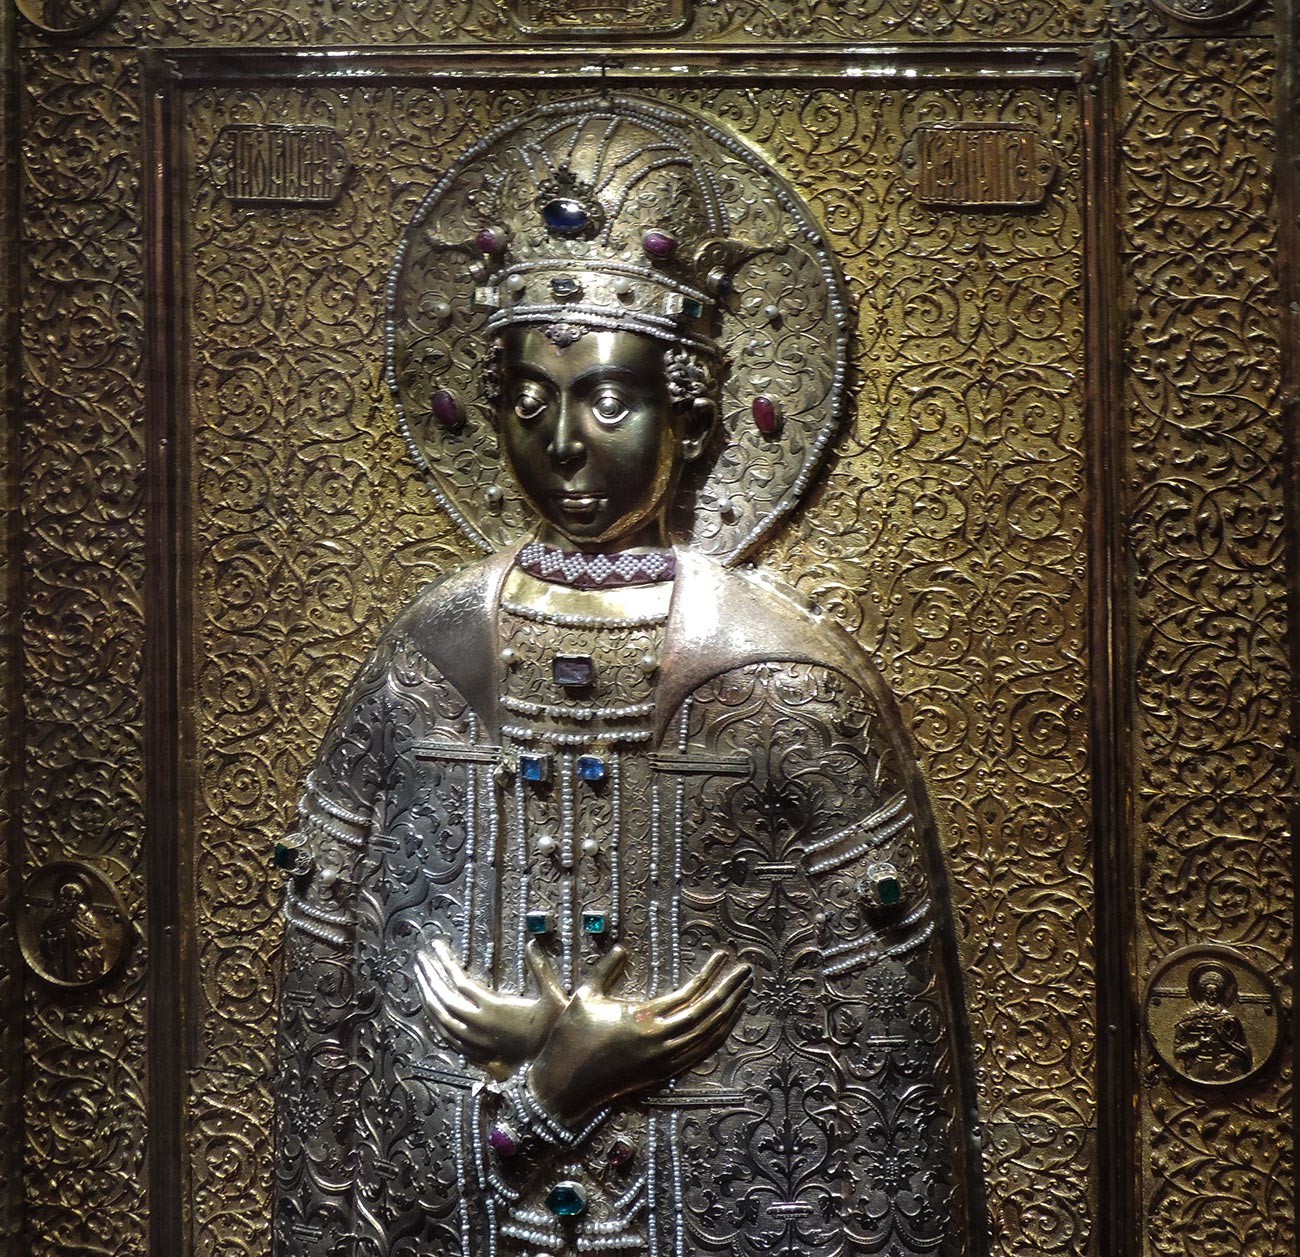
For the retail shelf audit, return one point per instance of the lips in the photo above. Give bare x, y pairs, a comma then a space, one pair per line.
578, 505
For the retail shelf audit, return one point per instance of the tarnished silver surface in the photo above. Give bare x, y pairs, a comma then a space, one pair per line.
618, 921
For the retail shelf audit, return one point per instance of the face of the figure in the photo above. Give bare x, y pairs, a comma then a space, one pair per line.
1211, 988
591, 434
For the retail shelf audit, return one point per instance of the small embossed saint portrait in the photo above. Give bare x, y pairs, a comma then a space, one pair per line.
73, 928
71, 937
616, 916
1210, 1041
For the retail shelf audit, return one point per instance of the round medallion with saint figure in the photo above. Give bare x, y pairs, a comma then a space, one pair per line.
1212, 1015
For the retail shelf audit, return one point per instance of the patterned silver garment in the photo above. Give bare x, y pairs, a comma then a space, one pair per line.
734, 777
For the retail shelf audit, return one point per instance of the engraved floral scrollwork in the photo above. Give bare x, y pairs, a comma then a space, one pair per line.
1205, 531
82, 638
949, 535
484, 23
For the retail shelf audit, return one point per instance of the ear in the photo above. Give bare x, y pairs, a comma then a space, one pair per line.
493, 377
701, 417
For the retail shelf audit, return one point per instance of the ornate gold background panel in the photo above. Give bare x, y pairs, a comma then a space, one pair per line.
83, 630
11, 976
345, 23
950, 536
1205, 459
782, 24
956, 534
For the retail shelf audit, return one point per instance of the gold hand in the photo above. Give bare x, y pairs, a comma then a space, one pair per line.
498, 1031
601, 1048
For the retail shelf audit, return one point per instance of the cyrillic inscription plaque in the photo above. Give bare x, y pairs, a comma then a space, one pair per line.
280, 165
979, 165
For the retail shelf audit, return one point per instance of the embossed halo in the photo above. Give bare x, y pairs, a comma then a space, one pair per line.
621, 212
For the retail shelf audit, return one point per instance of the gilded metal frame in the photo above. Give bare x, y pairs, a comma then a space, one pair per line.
1288, 196
170, 737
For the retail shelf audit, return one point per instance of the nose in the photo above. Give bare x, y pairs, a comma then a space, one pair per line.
565, 446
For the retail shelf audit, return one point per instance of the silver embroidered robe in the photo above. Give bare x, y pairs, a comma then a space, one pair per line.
755, 793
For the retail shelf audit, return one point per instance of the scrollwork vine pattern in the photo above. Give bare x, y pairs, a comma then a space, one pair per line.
308, 523
83, 632
1205, 529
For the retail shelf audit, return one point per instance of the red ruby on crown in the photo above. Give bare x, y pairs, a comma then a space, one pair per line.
659, 244
491, 240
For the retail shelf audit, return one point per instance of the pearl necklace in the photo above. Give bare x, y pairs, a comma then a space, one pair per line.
596, 571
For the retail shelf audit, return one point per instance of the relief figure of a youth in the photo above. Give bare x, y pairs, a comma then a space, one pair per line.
616, 916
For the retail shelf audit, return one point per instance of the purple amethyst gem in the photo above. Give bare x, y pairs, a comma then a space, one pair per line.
446, 410
490, 240
659, 244
502, 1141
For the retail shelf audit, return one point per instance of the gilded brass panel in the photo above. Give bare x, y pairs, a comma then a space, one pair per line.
784, 25
950, 536
309, 526
1204, 465
487, 23
83, 633
11, 980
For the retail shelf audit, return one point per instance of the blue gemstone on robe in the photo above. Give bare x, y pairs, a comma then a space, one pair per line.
595, 922
565, 217
566, 1200
537, 922
592, 768
534, 767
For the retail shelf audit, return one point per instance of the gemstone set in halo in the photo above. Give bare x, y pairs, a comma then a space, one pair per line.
565, 217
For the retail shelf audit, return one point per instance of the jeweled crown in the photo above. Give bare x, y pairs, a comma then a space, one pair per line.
607, 221
621, 212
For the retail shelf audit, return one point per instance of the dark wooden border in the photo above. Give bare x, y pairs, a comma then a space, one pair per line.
169, 736
1118, 1185
167, 827
1287, 106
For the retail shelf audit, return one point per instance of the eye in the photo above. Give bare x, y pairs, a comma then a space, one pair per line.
609, 409
529, 406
